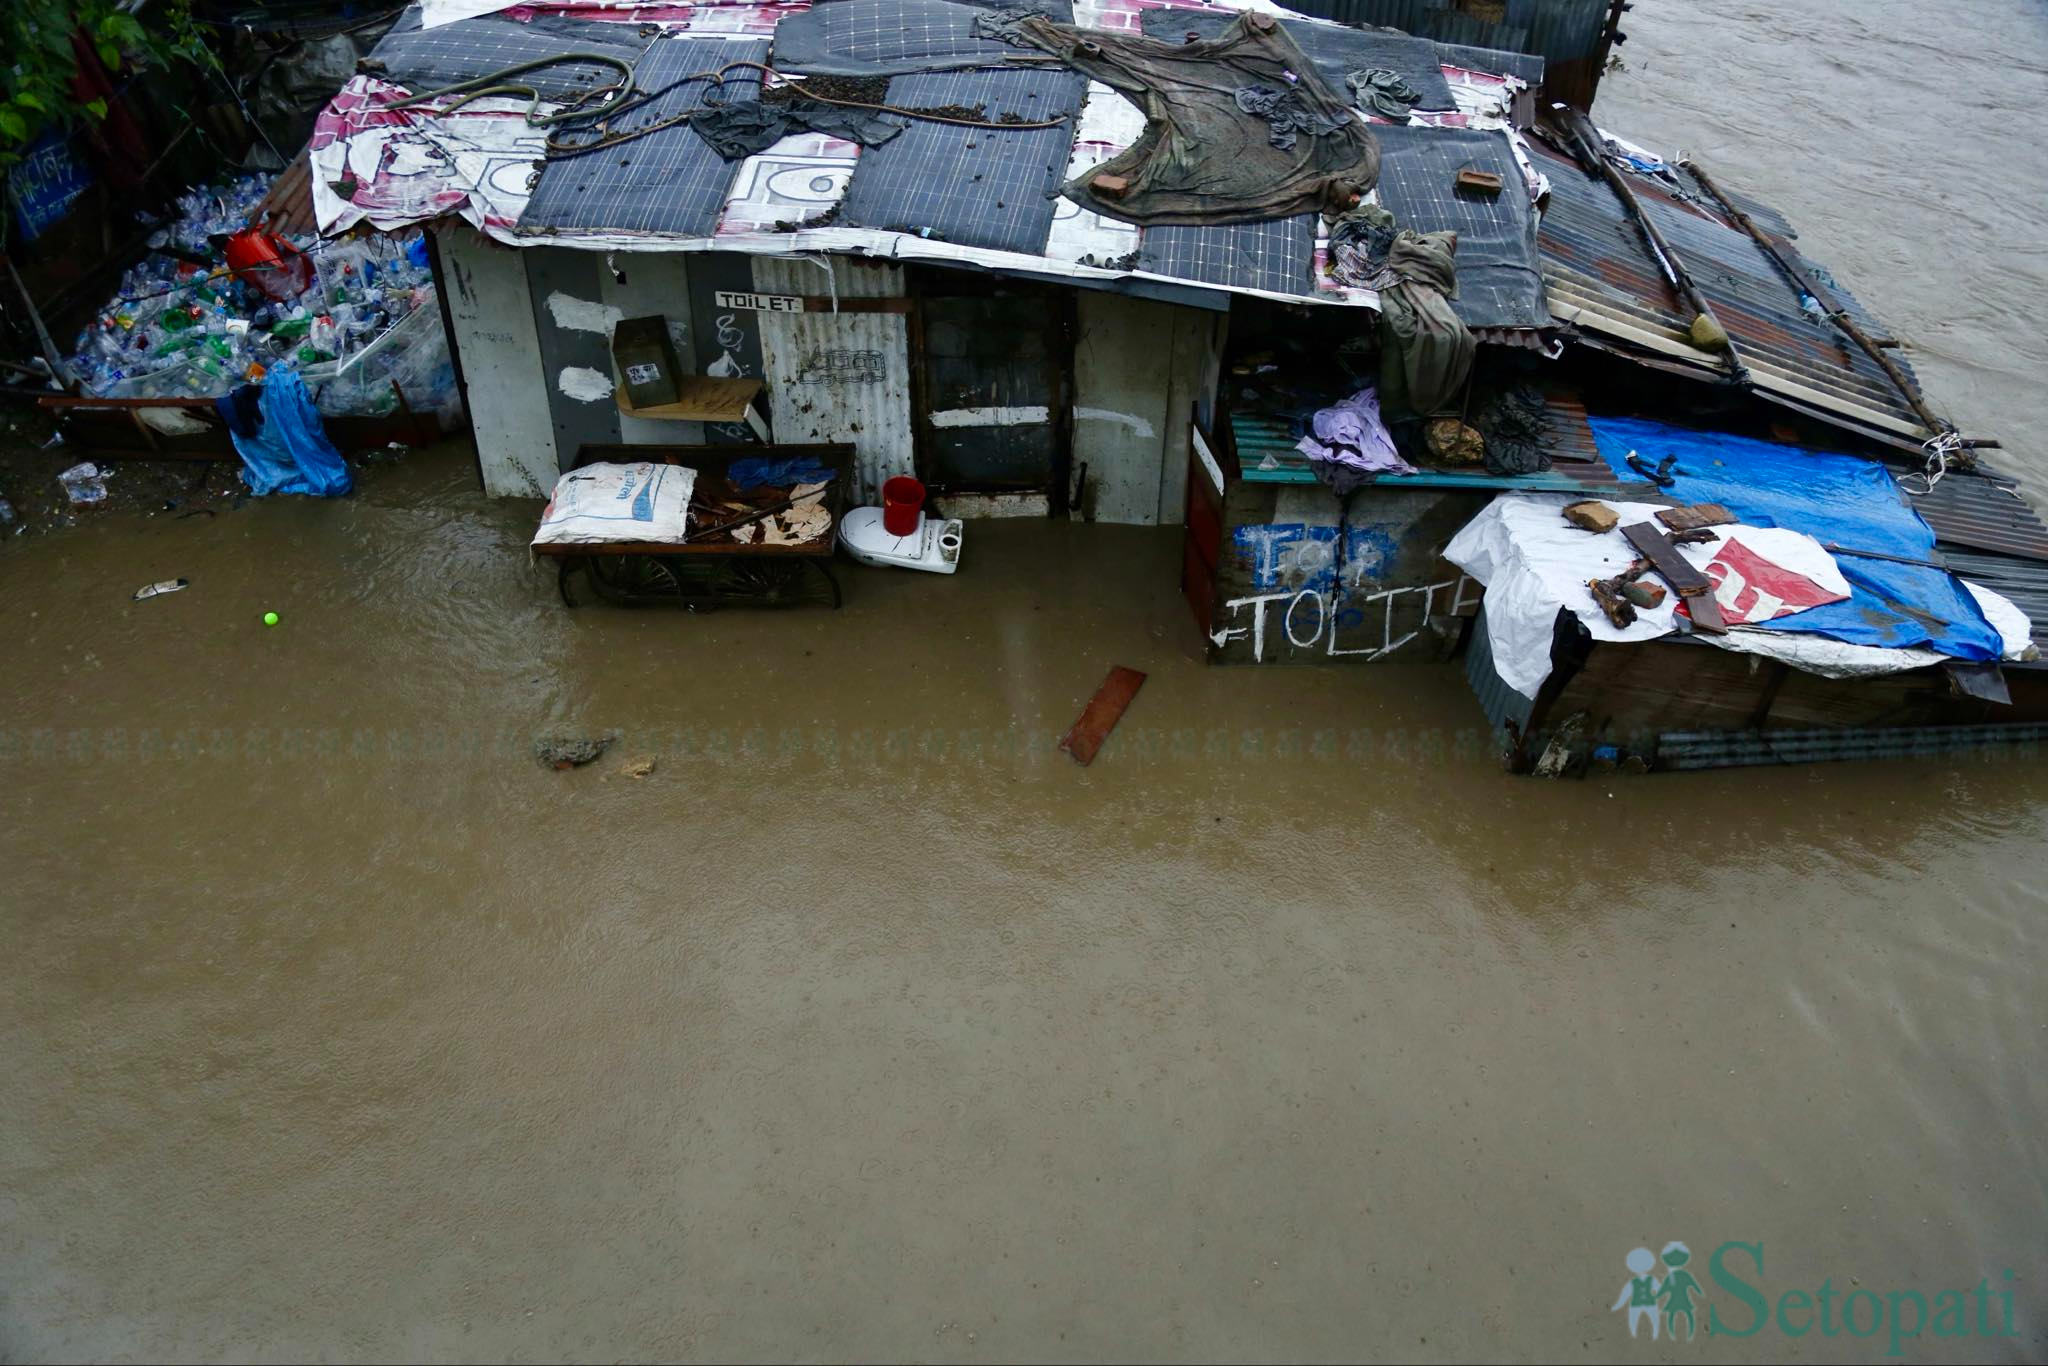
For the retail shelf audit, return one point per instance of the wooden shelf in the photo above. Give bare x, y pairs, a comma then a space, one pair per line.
701, 398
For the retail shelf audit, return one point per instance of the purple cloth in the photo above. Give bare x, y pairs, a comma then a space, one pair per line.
1347, 440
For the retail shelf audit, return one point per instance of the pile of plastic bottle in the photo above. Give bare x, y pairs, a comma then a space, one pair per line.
365, 334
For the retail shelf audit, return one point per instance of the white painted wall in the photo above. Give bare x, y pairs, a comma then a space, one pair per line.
492, 311
809, 398
1139, 366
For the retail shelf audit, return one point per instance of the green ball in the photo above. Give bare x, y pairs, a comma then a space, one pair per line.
270, 618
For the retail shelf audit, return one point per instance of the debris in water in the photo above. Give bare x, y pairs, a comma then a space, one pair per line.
158, 589
562, 752
1104, 710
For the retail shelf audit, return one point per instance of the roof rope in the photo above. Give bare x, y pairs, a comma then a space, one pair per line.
600, 105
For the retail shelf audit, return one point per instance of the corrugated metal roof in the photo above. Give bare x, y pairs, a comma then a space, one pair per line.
1985, 513
1562, 32
1504, 707
2024, 581
1739, 748
1601, 277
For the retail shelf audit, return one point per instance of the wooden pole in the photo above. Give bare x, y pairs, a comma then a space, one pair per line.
1836, 313
1594, 157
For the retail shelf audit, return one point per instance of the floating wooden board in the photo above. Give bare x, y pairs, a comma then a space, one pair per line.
700, 398
1102, 713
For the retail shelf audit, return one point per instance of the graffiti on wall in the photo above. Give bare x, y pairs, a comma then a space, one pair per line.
1298, 555
841, 365
1310, 617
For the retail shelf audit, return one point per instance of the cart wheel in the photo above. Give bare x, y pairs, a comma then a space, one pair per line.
635, 579
785, 581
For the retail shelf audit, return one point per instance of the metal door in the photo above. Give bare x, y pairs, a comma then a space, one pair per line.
994, 370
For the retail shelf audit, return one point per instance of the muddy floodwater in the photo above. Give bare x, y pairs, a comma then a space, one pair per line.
866, 1025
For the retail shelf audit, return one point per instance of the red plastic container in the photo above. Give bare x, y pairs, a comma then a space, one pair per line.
270, 263
902, 501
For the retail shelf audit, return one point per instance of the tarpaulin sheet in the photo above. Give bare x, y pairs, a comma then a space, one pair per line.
1336, 51
1837, 499
1500, 275
1534, 562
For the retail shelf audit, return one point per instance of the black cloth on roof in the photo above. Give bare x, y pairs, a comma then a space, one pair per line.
1383, 92
1287, 113
1202, 158
1335, 50
745, 127
1516, 424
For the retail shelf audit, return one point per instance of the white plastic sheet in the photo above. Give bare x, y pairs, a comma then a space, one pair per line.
1534, 562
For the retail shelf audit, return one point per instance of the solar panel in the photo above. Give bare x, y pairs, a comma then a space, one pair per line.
667, 182
1500, 280
1276, 255
982, 187
1336, 51
428, 59
895, 37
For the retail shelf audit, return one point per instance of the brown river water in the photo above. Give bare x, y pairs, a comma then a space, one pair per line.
332, 1025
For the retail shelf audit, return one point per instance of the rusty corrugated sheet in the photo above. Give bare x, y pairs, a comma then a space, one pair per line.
289, 201
2024, 581
1984, 512
1601, 277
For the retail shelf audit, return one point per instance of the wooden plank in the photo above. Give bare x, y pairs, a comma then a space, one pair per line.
1693, 516
1102, 713
700, 398
1676, 570
1705, 611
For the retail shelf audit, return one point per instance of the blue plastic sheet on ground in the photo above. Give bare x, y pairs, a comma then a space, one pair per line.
1834, 498
290, 452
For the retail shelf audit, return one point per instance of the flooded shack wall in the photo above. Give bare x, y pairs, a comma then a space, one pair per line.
1142, 370
490, 312
840, 376
1686, 704
1302, 578
533, 327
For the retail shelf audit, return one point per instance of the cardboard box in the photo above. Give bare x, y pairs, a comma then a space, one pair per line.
645, 359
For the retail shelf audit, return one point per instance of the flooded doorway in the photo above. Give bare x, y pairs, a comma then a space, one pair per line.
996, 368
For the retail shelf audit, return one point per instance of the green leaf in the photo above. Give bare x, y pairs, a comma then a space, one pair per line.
29, 101
11, 126
96, 108
110, 53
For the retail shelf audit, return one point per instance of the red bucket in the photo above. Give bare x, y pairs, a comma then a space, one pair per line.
902, 502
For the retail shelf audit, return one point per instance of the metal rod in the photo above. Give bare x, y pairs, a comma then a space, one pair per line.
1668, 261
1836, 314
1834, 549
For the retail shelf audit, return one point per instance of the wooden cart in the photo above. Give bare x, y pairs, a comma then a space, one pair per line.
714, 573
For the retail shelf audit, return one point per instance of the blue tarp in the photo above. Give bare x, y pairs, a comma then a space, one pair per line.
1843, 499
290, 452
